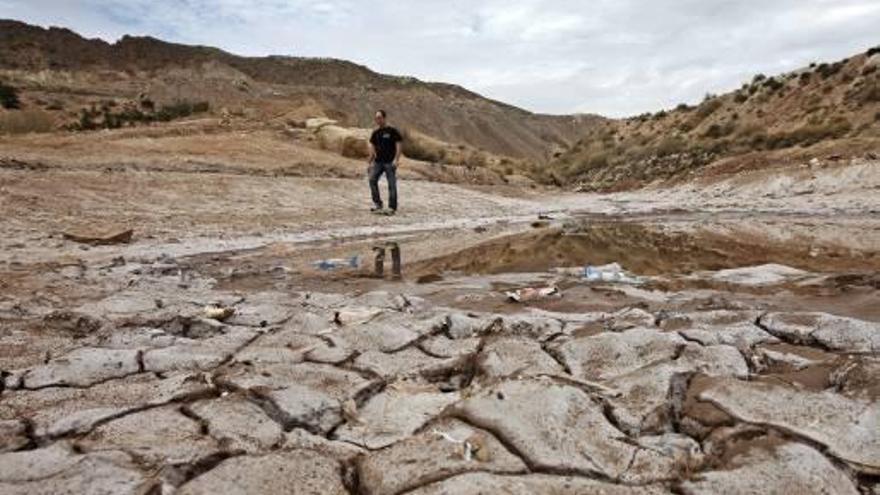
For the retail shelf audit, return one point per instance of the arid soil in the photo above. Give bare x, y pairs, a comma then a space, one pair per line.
211, 355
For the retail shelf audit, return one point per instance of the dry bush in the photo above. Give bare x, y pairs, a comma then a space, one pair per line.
25, 121
353, 147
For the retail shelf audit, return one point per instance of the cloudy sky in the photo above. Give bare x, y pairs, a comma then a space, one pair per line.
613, 57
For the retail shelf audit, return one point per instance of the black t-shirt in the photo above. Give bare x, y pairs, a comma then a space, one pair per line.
385, 140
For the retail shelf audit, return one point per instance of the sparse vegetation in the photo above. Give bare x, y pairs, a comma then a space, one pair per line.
773, 84
9, 97
873, 51
828, 70
106, 118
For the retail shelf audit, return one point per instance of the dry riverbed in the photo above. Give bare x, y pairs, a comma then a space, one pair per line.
738, 352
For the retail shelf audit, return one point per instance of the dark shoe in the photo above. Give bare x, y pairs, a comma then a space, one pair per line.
390, 212
377, 210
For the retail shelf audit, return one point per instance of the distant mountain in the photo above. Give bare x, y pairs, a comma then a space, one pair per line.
58, 61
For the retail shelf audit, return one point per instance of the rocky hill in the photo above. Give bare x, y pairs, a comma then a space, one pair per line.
824, 110
58, 65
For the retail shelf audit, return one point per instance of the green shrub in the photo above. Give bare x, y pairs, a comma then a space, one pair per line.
741, 97
683, 107
758, 78
773, 84
828, 70
9, 97
872, 51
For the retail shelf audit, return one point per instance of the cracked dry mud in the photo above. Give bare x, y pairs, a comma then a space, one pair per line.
391, 392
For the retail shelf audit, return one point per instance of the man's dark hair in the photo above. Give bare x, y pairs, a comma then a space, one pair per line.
382, 113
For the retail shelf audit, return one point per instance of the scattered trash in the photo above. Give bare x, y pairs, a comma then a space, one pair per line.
120, 238
217, 312
474, 447
334, 263
529, 294
355, 315
611, 272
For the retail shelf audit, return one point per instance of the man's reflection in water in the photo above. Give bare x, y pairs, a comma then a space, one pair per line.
379, 267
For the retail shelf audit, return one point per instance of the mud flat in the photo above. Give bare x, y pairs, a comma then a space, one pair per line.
740, 357
484, 340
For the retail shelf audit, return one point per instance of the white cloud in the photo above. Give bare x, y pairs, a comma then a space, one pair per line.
615, 57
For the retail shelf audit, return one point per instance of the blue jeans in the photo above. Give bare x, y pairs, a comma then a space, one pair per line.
390, 172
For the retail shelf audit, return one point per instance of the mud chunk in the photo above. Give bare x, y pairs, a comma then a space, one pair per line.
83, 367
410, 362
58, 411
560, 428
204, 354
484, 483
300, 472
57, 469
507, 357
848, 428
157, 436
13, 435
606, 355
786, 468
238, 424
438, 452
306, 395
837, 333
395, 414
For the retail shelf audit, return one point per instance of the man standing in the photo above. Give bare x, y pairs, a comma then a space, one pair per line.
384, 158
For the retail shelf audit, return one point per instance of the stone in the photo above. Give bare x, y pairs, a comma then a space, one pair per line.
836, 333
786, 468
394, 414
56, 469
238, 424
848, 428
438, 452
300, 472
82, 368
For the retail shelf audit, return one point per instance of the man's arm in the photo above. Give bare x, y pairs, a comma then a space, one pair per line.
372, 150
398, 152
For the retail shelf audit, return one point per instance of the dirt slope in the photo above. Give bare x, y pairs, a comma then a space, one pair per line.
59, 65
819, 111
